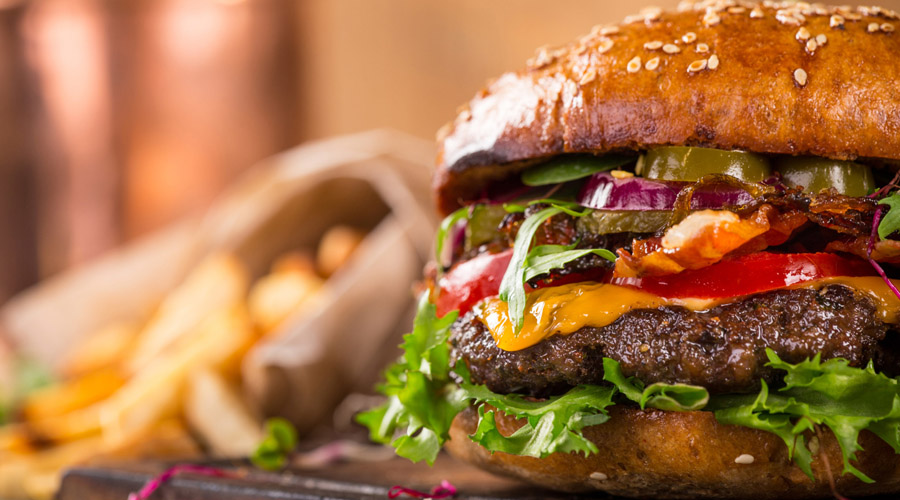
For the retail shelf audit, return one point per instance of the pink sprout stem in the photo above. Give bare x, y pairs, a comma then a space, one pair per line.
155, 483
444, 490
872, 238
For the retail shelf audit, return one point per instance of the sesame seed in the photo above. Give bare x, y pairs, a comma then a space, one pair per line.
652, 64
588, 76
702, 48
887, 28
621, 174
689, 37
836, 21
634, 65
793, 18
850, 16
609, 30
713, 62
744, 459
756, 13
654, 45
543, 58
736, 10
651, 13
821, 39
814, 445
811, 46
644, 348
604, 45
800, 77
698, 65
802, 34
711, 19
873, 28
598, 476
671, 48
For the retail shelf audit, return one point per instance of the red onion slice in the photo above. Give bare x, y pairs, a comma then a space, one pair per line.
604, 192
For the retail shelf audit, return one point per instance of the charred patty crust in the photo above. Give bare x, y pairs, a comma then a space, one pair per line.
722, 349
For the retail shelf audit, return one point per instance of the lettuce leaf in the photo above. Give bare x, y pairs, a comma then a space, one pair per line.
425, 394
672, 397
847, 400
422, 398
553, 425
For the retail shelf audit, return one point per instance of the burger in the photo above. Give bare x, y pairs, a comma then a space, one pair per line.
665, 267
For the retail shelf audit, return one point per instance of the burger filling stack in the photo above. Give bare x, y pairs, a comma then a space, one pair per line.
666, 264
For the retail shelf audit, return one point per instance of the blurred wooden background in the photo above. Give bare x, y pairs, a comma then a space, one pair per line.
119, 116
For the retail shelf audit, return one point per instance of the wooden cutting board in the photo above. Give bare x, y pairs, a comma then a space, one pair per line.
348, 481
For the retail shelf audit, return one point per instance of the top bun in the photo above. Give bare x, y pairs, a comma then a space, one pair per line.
770, 77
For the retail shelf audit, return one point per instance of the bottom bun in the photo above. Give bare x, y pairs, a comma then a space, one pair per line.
663, 454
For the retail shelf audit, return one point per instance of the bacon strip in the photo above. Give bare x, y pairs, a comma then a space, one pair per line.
706, 237
882, 251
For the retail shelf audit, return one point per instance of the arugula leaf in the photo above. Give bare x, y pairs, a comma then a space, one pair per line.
565, 206
422, 398
512, 287
279, 441
545, 258
890, 222
526, 264
572, 167
445, 227
553, 425
847, 400
672, 397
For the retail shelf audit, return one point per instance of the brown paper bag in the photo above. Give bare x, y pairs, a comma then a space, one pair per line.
377, 181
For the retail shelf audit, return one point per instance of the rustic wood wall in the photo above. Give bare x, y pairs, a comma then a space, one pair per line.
119, 116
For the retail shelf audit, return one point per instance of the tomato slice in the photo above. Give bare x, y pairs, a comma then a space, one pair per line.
754, 273
474, 280
471, 281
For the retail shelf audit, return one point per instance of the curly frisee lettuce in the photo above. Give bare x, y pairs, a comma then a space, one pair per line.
425, 393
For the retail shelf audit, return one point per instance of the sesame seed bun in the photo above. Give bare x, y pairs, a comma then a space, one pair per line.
661, 454
788, 79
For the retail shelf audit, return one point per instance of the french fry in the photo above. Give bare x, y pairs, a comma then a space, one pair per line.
216, 413
336, 247
219, 281
294, 261
277, 296
101, 350
77, 424
71, 395
37, 475
156, 391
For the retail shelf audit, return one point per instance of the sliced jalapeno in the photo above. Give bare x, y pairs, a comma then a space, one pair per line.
687, 163
570, 167
815, 174
623, 221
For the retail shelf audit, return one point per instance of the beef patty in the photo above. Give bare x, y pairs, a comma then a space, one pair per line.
722, 349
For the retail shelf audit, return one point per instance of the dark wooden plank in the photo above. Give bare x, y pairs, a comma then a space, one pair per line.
347, 481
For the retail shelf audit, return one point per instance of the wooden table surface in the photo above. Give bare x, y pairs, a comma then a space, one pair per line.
346, 481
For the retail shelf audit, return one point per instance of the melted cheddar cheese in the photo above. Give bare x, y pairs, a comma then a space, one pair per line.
565, 309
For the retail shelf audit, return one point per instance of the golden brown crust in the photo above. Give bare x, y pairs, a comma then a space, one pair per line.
842, 103
660, 454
